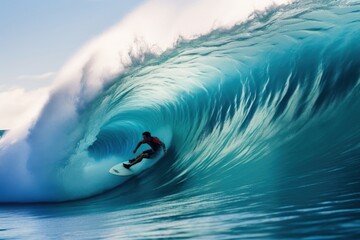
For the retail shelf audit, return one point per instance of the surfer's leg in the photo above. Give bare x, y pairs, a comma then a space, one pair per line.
134, 161
139, 158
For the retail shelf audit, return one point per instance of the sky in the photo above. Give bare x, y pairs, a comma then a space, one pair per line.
42, 41
39, 36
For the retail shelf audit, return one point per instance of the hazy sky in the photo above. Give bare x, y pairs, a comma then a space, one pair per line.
37, 37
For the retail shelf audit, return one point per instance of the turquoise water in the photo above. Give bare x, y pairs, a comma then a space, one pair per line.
262, 124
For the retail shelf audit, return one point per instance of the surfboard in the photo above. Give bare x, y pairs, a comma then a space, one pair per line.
146, 163
119, 169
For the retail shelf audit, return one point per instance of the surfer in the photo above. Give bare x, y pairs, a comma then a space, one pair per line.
155, 145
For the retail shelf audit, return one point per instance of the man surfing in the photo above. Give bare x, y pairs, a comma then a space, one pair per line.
155, 145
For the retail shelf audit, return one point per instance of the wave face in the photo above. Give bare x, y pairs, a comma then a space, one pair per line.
263, 114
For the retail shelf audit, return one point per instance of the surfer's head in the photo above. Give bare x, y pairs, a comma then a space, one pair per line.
146, 135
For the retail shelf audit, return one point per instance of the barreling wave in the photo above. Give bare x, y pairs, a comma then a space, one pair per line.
284, 82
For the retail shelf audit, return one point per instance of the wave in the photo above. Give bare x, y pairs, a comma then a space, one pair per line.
284, 82
2, 132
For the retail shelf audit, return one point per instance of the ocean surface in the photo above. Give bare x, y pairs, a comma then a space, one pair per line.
262, 125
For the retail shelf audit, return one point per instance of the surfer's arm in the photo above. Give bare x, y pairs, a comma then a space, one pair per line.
137, 146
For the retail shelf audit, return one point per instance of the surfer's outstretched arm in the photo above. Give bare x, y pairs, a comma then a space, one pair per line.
137, 146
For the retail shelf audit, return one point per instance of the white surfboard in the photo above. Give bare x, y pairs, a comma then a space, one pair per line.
119, 169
